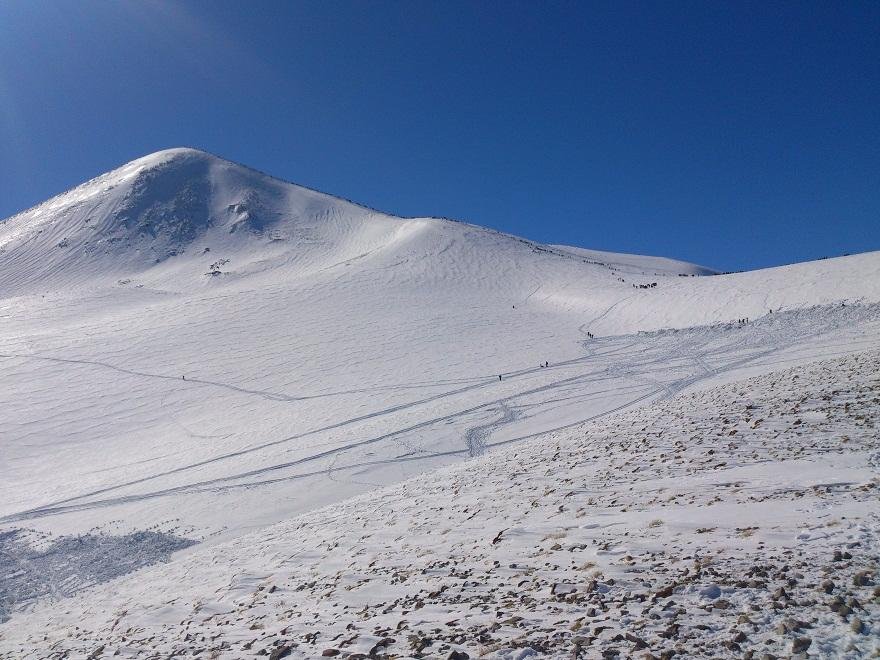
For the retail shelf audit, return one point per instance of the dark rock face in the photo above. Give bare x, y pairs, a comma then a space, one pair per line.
171, 202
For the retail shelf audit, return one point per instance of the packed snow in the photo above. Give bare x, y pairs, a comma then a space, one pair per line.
197, 355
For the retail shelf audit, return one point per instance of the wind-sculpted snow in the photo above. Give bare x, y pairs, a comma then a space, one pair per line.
66, 565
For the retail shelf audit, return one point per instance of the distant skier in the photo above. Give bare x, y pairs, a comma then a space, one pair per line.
499, 376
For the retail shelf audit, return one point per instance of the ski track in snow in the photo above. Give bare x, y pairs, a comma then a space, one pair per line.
689, 344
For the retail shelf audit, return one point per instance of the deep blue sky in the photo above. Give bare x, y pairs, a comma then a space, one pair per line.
736, 134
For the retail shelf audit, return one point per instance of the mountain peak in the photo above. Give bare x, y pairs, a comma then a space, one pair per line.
173, 154
160, 206
180, 151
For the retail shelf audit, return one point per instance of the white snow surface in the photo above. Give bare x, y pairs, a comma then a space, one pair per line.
198, 350
731, 521
637, 263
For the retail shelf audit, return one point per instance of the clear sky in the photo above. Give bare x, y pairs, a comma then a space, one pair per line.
736, 135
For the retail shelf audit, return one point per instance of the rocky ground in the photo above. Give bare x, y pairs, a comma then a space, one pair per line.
739, 521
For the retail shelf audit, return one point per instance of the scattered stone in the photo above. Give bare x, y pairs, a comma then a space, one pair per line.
281, 651
801, 644
665, 592
862, 578
856, 625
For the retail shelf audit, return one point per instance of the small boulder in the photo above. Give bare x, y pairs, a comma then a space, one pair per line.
801, 644
563, 589
862, 578
281, 651
638, 641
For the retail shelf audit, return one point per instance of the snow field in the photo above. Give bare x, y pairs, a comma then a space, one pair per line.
738, 520
194, 351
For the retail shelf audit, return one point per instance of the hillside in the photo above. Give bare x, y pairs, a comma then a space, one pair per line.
193, 351
616, 539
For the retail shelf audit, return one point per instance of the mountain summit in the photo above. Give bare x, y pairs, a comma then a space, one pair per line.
158, 207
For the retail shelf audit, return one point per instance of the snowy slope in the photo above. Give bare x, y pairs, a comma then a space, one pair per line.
176, 203
738, 519
195, 349
636, 263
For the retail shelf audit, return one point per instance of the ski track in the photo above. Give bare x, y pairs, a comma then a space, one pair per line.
686, 345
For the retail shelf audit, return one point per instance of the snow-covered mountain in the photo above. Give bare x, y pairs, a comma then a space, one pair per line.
191, 350
162, 214
181, 220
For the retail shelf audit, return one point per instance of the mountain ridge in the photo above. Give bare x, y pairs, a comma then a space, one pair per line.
161, 203
186, 221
